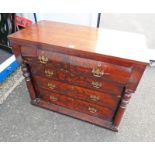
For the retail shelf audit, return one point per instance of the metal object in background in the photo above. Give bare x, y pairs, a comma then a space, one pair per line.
152, 63
7, 26
9, 23
35, 17
98, 20
7, 60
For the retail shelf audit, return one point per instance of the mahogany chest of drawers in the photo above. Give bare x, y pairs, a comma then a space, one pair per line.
65, 73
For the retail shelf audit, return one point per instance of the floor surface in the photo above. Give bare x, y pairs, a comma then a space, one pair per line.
4, 55
21, 121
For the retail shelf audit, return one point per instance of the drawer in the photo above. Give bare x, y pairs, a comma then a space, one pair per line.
82, 66
88, 95
75, 104
52, 72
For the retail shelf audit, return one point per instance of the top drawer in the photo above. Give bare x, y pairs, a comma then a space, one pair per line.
78, 65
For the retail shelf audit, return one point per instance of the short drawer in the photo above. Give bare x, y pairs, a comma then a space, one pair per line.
77, 105
52, 72
100, 70
88, 95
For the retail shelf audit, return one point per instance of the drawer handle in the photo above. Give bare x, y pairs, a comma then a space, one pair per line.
49, 73
53, 98
43, 59
96, 84
92, 109
97, 72
94, 98
51, 86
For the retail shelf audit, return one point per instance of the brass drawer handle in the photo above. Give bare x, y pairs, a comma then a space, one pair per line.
97, 72
94, 98
92, 109
53, 98
43, 59
49, 73
96, 84
51, 86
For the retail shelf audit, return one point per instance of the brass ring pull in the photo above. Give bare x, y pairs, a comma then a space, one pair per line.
97, 72
53, 98
96, 84
92, 109
43, 59
51, 86
49, 73
94, 98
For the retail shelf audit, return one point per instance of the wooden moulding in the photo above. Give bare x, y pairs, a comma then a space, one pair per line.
27, 75
121, 109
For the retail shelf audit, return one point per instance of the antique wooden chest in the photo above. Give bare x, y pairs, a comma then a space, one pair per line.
66, 72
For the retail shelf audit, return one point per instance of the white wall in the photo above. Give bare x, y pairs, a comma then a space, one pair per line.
88, 19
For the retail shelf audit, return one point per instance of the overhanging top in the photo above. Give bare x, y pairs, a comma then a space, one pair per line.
104, 41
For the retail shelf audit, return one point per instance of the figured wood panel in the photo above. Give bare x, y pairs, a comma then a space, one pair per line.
51, 72
86, 66
81, 66
75, 104
103, 99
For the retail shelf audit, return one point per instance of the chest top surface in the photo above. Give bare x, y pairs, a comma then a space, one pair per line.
103, 41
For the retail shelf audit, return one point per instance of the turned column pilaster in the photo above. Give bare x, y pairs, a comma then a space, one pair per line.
27, 75
122, 107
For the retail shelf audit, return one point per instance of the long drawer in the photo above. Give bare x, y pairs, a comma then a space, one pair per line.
65, 76
88, 95
75, 104
78, 65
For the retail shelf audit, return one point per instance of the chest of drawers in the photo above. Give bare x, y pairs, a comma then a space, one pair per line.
65, 73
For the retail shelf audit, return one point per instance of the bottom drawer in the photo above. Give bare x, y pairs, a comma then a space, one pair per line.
77, 105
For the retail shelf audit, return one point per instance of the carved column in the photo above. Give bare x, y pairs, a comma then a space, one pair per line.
27, 75
121, 109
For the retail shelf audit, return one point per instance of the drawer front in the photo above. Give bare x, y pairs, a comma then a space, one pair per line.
75, 104
65, 76
83, 66
88, 95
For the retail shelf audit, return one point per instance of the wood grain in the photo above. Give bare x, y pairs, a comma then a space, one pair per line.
77, 105
65, 73
67, 76
104, 99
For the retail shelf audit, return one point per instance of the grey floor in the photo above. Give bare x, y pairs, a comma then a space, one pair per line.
21, 121
4, 55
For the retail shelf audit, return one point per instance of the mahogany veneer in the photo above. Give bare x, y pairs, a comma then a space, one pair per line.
65, 73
